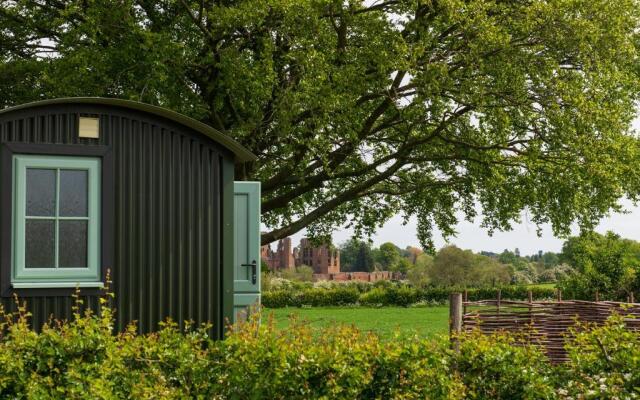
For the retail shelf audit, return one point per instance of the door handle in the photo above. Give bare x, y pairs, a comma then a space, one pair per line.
254, 271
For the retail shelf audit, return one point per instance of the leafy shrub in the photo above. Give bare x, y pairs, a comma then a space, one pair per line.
269, 281
374, 297
280, 299
556, 274
496, 367
523, 278
605, 362
395, 295
436, 294
328, 297
360, 286
84, 358
402, 296
419, 276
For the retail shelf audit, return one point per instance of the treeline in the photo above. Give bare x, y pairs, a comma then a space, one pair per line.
452, 266
590, 263
361, 256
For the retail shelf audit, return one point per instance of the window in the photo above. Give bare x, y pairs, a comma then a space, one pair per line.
56, 221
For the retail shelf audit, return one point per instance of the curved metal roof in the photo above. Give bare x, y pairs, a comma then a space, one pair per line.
240, 152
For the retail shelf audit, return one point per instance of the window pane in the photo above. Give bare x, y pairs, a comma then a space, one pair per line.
73, 193
39, 244
41, 192
73, 244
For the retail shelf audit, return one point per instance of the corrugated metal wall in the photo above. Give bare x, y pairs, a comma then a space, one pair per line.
167, 202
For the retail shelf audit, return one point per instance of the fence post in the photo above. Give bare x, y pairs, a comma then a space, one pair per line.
465, 299
631, 299
455, 318
559, 295
597, 296
530, 309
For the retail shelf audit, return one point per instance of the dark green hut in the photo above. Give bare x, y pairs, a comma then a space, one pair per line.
91, 185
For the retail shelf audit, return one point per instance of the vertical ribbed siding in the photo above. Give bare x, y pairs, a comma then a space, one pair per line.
167, 214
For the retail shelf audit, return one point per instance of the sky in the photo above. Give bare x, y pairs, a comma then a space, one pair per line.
472, 236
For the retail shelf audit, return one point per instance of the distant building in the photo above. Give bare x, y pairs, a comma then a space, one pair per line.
267, 255
323, 259
284, 254
280, 259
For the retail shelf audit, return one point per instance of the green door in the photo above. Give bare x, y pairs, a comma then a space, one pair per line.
243, 304
246, 273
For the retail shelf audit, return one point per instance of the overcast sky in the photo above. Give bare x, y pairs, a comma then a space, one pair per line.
523, 236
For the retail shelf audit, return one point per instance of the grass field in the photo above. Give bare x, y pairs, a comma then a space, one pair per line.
385, 321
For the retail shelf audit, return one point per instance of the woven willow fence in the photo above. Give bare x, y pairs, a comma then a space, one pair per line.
541, 323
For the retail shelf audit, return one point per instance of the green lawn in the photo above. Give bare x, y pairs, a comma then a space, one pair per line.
424, 321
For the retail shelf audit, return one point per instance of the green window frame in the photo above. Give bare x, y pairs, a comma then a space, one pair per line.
43, 224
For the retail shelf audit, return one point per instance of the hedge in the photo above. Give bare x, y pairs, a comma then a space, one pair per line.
403, 296
84, 359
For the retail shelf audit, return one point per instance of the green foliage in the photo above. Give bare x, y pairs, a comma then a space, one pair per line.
83, 358
364, 259
606, 263
359, 255
605, 362
455, 267
359, 111
556, 274
391, 295
389, 257
342, 363
348, 253
403, 265
395, 296
301, 273
419, 275
496, 367
264, 267
512, 292
333, 297
280, 298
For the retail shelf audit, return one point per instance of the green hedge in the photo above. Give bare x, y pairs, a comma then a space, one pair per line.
83, 359
403, 296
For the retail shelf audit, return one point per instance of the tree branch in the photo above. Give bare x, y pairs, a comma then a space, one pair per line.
350, 194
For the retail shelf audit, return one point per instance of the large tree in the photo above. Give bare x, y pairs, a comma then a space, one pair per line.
359, 110
605, 263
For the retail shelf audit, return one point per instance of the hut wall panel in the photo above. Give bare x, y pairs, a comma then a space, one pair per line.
167, 220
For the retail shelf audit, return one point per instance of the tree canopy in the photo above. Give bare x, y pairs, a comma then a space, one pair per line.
605, 263
359, 110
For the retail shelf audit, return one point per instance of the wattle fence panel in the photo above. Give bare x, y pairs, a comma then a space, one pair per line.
541, 323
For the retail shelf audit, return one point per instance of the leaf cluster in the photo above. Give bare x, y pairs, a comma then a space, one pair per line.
361, 111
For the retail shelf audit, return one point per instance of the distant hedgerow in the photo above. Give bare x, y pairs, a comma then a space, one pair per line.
396, 295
